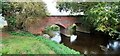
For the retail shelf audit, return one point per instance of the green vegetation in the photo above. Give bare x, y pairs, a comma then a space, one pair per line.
100, 16
0, 6
26, 43
58, 48
19, 15
50, 29
72, 29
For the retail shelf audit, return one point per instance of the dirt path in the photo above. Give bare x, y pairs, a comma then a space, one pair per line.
3, 34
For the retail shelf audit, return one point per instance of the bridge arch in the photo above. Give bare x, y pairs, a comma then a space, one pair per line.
62, 28
62, 21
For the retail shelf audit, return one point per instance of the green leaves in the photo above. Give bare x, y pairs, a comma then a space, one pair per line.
58, 48
18, 14
101, 16
52, 28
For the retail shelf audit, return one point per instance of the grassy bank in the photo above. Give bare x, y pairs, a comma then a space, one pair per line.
26, 43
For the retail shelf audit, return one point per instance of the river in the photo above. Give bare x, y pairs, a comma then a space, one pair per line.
93, 43
97, 43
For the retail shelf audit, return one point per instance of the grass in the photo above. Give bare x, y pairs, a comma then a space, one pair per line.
26, 43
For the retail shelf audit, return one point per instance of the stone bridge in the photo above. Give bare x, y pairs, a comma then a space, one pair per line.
63, 21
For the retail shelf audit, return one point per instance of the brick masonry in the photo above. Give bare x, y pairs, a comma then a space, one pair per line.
64, 21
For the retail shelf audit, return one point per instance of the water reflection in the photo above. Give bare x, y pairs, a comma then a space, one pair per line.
57, 37
113, 44
113, 47
73, 38
89, 44
92, 44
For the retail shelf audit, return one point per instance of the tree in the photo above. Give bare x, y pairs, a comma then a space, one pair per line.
18, 13
0, 6
101, 16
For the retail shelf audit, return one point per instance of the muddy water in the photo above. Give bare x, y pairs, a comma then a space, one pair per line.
92, 44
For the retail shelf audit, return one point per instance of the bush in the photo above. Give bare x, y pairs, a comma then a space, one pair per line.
50, 29
22, 33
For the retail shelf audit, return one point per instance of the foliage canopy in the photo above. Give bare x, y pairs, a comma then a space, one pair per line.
18, 13
100, 16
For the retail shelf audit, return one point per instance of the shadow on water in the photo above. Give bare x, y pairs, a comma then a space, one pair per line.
97, 43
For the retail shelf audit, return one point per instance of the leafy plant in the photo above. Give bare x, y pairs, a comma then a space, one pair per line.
72, 29
52, 28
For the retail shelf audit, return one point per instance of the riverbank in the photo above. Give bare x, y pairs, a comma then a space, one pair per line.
26, 43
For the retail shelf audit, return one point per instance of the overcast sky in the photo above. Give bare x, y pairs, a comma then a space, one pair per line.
51, 7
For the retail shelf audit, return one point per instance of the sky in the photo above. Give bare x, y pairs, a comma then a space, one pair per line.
2, 21
51, 7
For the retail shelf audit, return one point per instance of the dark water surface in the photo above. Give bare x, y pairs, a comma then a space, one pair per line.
97, 43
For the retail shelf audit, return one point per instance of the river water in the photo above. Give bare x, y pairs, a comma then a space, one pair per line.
97, 43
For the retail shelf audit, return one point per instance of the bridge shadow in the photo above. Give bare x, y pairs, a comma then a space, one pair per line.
62, 28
